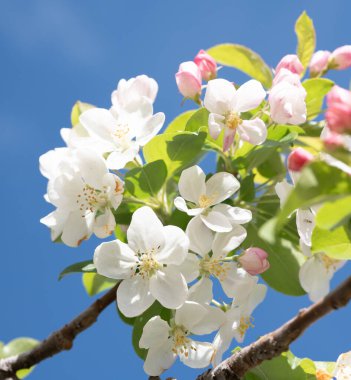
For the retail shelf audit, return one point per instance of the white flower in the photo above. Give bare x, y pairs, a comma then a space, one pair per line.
201, 263
148, 264
205, 194
165, 342
343, 367
84, 193
316, 273
287, 99
225, 104
238, 317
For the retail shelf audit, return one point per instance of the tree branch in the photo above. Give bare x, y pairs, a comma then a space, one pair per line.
58, 341
273, 344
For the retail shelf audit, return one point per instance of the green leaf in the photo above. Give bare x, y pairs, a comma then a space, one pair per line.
316, 90
317, 183
336, 244
333, 214
155, 309
243, 59
272, 166
281, 365
82, 266
78, 108
178, 124
146, 181
94, 283
197, 120
177, 150
306, 38
18, 346
247, 188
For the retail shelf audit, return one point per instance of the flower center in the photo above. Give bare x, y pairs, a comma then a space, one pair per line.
328, 262
214, 267
245, 323
147, 265
205, 201
232, 120
181, 344
92, 200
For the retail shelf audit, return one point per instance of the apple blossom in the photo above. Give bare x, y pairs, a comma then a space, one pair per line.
165, 342
316, 273
84, 193
343, 367
189, 80
205, 196
298, 158
340, 58
287, 99
290, 62
319, 62
147, 265
202, 264
238, 319
225, 104
333, 140
254, 260
206, 64
338, 115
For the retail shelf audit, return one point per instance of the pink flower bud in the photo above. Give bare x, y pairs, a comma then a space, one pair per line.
319, 62
206, 64
333, 141
290, 62
340, 58
298, 158
254, 261
189, 80
338, 113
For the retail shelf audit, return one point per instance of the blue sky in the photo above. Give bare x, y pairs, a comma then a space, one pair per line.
56, 52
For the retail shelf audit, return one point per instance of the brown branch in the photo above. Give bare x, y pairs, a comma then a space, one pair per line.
273, 344
58, 341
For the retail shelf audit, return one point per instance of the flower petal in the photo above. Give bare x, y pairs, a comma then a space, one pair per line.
305, 224
200, 237
283, 190
159, 359
192, 184
145, 231
155, 333
253, 131
198, 357
181, 205
118, 160
221, 186
169, 287
77, 229
104, 224
228, 138
114, 259
249, 96
212, 319
235, 215
134, 297
201, 292
150, 128
216, 221
175, 248
189, 314
220, 96
225, 242
215, 124
189, 268
237, 283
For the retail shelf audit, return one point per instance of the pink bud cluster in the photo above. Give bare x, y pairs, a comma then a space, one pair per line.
254, 261
299, 158
191, 73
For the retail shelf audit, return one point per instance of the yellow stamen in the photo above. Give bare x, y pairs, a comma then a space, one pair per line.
205, 201
232, 120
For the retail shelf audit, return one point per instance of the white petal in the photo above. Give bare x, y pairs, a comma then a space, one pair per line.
212, 319
92, 167
221, 186
253, 131
134, 297
235, 215
201, 292
221, 343
114, 259
145, 231
256, 296
189, 268
199, 357
175, 248
200, 236
55, 221
155, 333
192, 184
159, 359
305, 224
216, 221
238, 283
118, 160
314, 278
181, 205
220, 96
283, 190
249, 96
169, 287
226, 242
215, 124
189, 314
150, 128
77, 228
104, 224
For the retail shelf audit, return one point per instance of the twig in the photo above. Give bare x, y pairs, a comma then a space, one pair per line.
273, 344
58, 341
